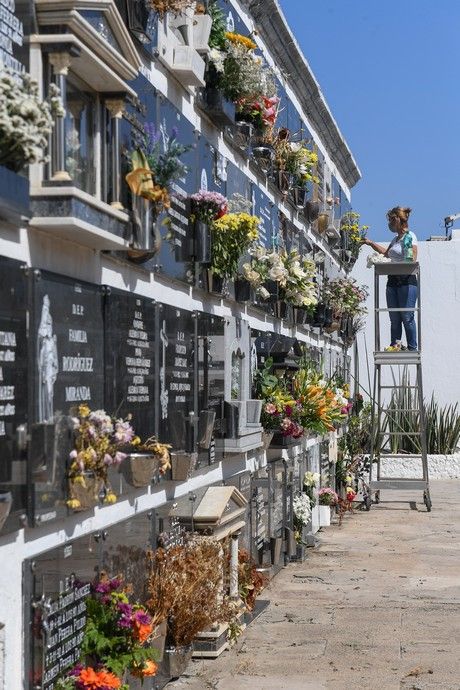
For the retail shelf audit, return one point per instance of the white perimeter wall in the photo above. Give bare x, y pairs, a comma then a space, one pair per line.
440, 288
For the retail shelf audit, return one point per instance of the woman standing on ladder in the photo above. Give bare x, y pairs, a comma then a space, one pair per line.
402, 290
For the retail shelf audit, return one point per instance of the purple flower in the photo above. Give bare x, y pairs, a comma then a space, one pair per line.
174, 133
73, 454
108, 460
142, 617
119, 457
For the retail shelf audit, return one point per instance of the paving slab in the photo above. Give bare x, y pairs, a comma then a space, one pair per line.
376, 607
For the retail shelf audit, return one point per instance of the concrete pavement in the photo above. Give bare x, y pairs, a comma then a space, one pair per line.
376, 606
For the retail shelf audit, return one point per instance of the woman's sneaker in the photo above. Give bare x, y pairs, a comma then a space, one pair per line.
397, 347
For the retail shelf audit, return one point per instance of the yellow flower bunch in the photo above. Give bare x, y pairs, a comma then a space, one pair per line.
239, 222
231, 236
244, 41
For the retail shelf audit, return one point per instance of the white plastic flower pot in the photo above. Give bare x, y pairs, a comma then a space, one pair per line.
324, 516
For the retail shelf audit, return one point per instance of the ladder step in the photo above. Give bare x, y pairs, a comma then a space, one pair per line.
401, 433
398, 409
400, 456
394, 387
399, 484
397, 358
378, 309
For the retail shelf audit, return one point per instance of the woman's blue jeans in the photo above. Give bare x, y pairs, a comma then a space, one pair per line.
403, 296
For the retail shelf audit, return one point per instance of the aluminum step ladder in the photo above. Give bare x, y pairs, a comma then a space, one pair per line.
387, 436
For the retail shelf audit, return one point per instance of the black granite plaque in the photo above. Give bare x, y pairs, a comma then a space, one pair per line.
211, 392
56, 584
12, 52
13, 393
177, 377
130, 359
66, 338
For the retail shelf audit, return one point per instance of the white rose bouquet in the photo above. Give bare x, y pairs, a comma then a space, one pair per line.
26, 121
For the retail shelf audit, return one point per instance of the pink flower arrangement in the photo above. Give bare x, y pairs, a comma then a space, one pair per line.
327, 497
209, 206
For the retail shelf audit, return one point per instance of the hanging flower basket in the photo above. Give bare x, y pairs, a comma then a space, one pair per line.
139, 469
87, 494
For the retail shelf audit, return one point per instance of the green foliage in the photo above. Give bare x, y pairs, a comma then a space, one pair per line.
264, 380
356, 441
219, 27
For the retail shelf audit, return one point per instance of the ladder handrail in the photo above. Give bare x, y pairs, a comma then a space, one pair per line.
396, 268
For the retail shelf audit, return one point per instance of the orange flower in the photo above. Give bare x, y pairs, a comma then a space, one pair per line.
149, 669
93, 680
143, 631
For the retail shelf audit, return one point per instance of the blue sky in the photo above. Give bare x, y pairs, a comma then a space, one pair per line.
390, 72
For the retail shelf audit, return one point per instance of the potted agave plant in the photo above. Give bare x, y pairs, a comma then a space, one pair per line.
99, 440
155, 167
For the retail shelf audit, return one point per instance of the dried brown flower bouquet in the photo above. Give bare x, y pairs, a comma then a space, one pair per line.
186, 588
161, 7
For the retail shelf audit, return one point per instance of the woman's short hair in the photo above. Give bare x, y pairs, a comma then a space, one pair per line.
401, 212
